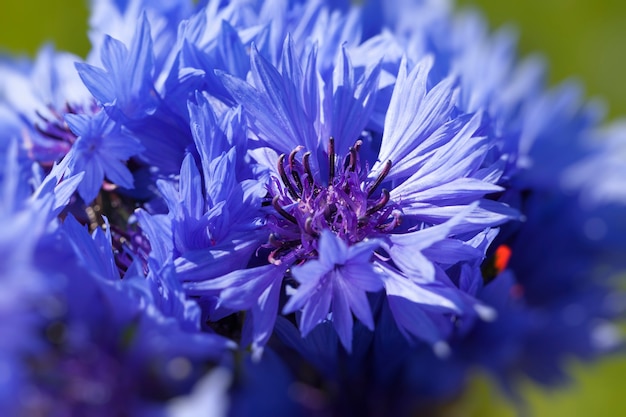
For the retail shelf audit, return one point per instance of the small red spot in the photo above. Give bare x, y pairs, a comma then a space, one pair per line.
501, 258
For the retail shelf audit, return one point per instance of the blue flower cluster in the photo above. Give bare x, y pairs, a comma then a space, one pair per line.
297, 208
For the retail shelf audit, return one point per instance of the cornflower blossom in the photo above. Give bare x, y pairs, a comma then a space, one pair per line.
351, 203
41, 93
297, 208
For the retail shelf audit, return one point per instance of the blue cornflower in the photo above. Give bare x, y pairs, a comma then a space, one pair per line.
405, 234
126, 89
40, 93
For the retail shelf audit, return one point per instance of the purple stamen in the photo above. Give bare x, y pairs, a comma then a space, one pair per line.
285, 178
382, 202
292, 156
344, 205
282, 211
331, 160
379, 179
307, 168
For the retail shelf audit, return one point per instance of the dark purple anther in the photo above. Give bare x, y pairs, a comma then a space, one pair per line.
285, 178
331, 160
307, 168
379, 179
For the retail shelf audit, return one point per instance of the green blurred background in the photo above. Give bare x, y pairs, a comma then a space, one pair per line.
581, 38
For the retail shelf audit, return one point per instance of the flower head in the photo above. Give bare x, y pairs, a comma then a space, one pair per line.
417, 192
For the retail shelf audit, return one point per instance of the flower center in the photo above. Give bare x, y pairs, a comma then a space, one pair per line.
346, 205
57, 132
55, 127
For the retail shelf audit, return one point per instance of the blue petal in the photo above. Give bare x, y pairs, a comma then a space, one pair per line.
333, 251
98, 82
423, 294
239, 289
349, 104
356, 298
190, 186
309, 276
317, 307
413, 113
